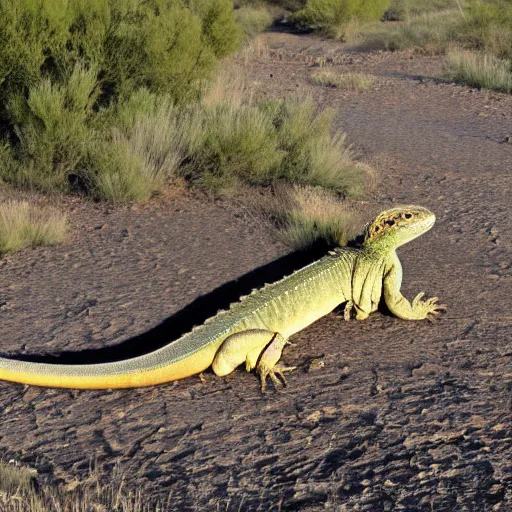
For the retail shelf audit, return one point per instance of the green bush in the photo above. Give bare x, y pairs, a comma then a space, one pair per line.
50, 127
488, 25
253, 20
327, 15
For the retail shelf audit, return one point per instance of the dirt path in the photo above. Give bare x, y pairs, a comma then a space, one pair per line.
403, 415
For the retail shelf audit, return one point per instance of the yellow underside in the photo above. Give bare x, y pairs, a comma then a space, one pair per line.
191, 365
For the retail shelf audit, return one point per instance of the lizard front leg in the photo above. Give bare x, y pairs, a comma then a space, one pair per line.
400, 306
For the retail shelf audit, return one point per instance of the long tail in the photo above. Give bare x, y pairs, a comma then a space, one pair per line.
157, 367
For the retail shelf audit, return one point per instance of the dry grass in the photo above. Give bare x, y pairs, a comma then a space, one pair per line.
230, 86
257, 48
479, 70
19, 494
23, 225
303, 215
347, 81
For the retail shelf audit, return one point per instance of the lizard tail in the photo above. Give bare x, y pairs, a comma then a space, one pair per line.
146, 370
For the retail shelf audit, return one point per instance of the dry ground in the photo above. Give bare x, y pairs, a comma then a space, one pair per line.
402, 416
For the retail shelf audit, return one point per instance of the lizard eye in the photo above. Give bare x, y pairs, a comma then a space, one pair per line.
408, 215
390, 222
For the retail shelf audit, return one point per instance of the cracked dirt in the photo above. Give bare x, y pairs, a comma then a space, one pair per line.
381, 415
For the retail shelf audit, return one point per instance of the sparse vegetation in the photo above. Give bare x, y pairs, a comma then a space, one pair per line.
304, 214
18, 493
479, 70
349, 81
23, 225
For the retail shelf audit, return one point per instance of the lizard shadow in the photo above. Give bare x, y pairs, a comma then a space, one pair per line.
191, 315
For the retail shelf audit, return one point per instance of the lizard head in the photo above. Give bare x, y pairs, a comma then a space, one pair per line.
395, 227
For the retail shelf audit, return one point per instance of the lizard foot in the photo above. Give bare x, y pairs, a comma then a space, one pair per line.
273, 373
429, 308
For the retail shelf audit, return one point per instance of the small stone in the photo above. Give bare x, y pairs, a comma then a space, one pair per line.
316, 364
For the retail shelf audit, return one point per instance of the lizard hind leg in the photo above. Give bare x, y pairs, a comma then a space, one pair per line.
267, 365
245, 346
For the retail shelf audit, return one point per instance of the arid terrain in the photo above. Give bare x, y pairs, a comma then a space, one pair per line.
381, 415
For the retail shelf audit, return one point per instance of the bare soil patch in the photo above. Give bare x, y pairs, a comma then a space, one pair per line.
400, 415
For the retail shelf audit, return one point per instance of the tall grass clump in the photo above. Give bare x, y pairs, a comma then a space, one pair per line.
329, 15
304, 215
479, 70
23, 225
62, 63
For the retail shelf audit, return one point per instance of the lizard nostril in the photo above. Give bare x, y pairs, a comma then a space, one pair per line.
390, 222
408, 215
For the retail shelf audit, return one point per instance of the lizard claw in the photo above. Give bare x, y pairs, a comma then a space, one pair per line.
417, 299
277, 370
429, 308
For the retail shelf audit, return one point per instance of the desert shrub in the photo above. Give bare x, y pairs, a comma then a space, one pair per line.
140, 154
23, 225
348, 81
253, 20
312, 154
234, 143
479, 70
327, 15
50, 130
219, 26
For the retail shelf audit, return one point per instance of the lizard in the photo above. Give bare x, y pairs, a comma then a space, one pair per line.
256, 328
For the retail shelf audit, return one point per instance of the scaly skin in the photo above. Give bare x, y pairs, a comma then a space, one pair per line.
256, 329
